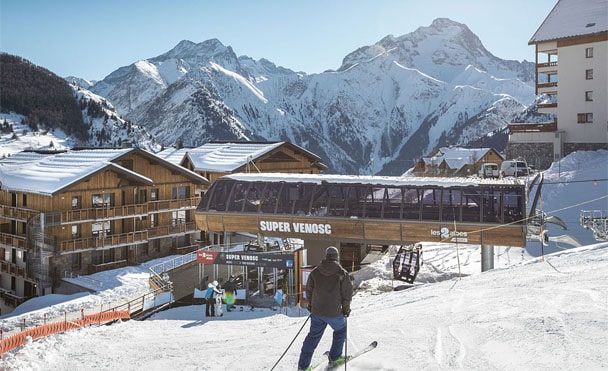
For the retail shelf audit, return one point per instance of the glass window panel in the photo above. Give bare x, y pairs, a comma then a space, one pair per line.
431, 201
269, 197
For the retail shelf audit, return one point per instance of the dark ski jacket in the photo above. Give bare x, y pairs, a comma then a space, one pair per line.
230, 286
329, 290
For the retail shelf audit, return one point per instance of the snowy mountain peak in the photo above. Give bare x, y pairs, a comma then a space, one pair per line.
395, 100
186, 49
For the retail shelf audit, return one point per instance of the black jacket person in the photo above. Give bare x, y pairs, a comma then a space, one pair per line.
329, 292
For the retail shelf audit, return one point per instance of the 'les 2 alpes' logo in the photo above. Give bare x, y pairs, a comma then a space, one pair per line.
447, 235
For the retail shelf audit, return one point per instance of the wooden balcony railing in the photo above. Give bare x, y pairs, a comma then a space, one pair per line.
547, 85
12, 269
547, 64
94, 268
17, 213
114, 212
162, 231
13, 240
119, 212
108, 241
544, 127
168, 205
547, 105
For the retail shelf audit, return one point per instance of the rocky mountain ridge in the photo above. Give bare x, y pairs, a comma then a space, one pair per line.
387, 105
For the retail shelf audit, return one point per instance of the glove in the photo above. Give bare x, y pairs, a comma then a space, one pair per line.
346, 312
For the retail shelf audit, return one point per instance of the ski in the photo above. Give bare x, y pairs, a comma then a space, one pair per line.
325, 366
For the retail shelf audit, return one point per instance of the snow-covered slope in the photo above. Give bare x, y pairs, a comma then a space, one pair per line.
387, 105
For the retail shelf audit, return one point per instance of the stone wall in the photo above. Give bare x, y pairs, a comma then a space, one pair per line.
573, 147
539, 155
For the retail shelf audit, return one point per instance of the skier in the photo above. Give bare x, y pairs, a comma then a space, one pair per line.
329, 291
230, 288
210, 294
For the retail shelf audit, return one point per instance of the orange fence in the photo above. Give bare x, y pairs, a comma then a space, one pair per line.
18, 340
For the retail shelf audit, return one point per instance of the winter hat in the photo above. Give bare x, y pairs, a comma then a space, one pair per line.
214, 283
331, 253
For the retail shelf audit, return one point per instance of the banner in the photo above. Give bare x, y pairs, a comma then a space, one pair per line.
281, 261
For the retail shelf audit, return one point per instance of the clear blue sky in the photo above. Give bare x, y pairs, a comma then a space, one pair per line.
92, 38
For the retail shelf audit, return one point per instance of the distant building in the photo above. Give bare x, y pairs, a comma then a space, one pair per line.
571, 73
215, 159
83, 211
456, 161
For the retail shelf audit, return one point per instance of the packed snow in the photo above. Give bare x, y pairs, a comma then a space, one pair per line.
540, 308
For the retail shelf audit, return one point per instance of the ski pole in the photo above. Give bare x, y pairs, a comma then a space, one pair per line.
345, 342
289, 346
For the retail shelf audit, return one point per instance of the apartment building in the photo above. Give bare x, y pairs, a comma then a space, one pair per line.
571, 75
84, 211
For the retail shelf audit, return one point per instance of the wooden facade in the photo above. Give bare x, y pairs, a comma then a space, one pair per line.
132, 207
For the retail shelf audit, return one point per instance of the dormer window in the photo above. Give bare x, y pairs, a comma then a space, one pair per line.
590, 24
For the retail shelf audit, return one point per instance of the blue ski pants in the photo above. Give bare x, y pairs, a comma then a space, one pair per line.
317, 327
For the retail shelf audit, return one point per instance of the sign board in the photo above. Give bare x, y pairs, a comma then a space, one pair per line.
281, 261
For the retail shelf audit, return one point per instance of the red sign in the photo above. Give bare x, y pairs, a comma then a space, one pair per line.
206, 257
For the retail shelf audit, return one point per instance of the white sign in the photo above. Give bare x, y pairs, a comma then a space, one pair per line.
303, 228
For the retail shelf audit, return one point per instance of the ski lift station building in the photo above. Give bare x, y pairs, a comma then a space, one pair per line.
354, 213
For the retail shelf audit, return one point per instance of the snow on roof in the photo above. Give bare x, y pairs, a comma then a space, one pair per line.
49, 174
570, 18
222, 157
372, 180
456, 157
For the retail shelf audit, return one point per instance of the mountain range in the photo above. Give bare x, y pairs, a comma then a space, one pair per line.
387, 105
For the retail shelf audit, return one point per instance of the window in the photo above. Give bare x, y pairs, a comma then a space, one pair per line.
584, 118
100, 229
154, 194
76, 202
589, 74
76, 231
24, 199
589, 52
589, 96
103, 200
178, 217
181, 193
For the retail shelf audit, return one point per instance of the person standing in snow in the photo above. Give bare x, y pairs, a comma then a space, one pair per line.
230, 288
210, 294
329, 291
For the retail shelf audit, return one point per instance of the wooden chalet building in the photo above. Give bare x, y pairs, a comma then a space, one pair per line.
83, 211
216, 159
456, 161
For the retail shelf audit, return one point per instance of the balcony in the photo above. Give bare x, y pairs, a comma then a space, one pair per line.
11, 240
17, 213
106, 242
118, 212
543, 127
97, 213
172, 230
13, 269
547, 64
169, 205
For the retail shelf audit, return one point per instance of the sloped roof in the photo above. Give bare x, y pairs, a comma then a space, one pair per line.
50, 173
570, 18
226, 156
